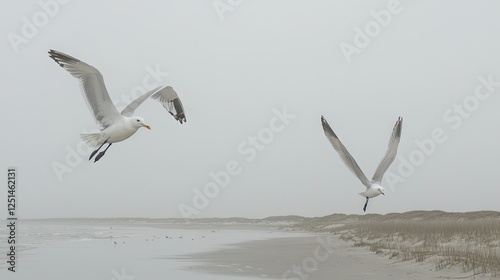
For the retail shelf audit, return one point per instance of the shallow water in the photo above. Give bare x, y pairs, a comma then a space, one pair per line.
95, 250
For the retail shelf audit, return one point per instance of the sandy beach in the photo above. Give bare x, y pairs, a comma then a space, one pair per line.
84, 250
313, 257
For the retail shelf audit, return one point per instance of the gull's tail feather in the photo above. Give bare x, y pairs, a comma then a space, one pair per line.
93, 139
362, 194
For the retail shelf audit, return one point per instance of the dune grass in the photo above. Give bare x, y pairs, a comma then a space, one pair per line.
472, 244
468, 240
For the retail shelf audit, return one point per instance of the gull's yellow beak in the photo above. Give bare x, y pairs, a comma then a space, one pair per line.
147, 126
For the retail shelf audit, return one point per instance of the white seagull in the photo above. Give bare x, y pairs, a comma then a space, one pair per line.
373, 187
114, 127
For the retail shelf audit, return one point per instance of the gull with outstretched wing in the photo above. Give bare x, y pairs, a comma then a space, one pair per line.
114, 126
373, 187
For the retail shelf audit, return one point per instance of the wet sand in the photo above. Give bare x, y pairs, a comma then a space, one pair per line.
316, 257
85, 251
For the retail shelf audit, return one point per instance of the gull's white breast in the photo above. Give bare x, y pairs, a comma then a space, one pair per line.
372, 191
120, 131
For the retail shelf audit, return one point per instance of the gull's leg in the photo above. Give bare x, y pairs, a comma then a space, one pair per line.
99, 156
366, 203
94, 152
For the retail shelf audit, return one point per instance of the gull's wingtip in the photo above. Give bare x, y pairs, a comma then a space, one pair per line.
400, 121
398, 126
323, 121
53, 53
56, 56
182, 119
61, 57
326, 128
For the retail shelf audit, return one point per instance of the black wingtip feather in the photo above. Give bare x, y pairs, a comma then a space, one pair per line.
326, 127
60, 57
324, 122
181, 117
398, 126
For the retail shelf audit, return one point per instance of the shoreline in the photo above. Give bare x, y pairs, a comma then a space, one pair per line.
142, 252
319, 250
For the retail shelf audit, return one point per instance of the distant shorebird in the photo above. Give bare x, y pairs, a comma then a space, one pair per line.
373, 187
114, 127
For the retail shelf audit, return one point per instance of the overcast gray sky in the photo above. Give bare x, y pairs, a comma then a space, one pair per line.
237, 66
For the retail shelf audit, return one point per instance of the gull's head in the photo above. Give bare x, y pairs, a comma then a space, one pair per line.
139, 122
381, 190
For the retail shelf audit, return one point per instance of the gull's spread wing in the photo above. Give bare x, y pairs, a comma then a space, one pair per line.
165, 95
391, 152
343, 153
93, 88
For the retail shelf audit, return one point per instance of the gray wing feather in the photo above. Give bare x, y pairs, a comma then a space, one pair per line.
165, 95
93, 88
343, 153
130, 109
391, 152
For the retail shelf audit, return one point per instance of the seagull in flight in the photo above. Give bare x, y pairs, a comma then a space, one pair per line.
114, 126
373, 187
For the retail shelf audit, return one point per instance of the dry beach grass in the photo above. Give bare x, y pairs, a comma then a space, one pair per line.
468, 240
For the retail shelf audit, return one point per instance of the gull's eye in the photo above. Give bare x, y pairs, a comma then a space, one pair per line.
137, 120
